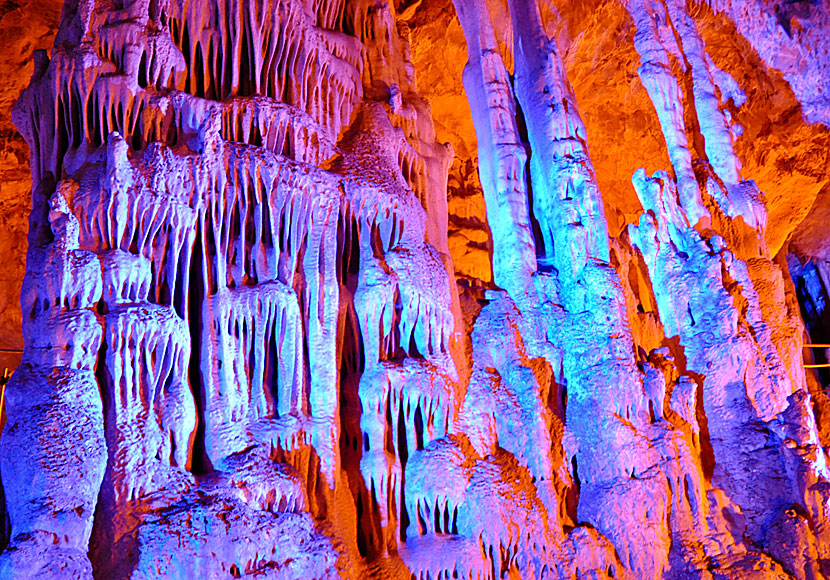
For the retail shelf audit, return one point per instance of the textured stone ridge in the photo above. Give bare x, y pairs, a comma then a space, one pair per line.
246, 353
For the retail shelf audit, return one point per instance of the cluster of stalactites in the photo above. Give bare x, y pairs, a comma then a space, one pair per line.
130, 63
566, 201
743, 373
721, 326
402, 408
209, 268
666, 33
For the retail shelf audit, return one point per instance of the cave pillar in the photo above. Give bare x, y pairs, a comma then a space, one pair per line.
502, 156
566, 199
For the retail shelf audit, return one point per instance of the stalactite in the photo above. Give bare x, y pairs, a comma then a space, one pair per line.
502, 156
566, 199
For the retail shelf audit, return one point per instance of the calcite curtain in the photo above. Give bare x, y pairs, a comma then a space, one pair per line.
433, 289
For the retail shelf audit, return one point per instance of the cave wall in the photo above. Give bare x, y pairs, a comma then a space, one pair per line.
24, 27
468, 289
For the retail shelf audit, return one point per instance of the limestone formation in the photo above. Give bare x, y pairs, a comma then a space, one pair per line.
276, 327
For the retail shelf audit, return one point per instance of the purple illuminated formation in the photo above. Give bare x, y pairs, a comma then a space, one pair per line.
246, 353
